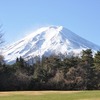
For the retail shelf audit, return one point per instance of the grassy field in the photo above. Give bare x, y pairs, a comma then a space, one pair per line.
51, 95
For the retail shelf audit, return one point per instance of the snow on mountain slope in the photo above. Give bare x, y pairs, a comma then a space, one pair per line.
47, 41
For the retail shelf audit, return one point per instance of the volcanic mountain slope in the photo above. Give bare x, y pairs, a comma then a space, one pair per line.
47, 41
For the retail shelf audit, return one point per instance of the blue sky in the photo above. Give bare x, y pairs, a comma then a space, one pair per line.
20, 17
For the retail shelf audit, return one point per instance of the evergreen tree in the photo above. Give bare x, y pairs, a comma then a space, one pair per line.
97, 69
97, 60
88, 66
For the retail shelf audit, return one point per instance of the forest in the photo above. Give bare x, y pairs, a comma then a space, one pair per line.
52, 73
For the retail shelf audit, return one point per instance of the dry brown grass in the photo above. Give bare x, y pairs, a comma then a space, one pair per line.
90, 99
35, 92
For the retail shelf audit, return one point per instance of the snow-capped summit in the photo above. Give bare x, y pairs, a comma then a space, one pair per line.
47, 41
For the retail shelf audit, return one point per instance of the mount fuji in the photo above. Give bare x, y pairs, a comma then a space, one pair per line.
47, 41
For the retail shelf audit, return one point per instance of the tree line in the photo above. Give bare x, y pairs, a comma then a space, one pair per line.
52, 73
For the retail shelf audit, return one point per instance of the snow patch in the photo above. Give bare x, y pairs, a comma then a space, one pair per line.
47, 41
